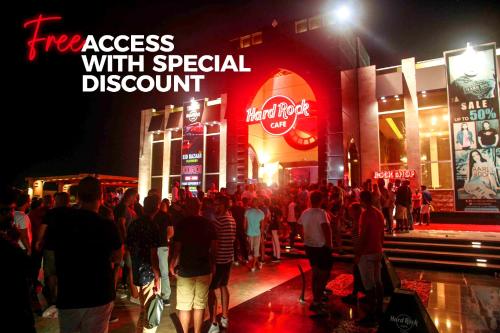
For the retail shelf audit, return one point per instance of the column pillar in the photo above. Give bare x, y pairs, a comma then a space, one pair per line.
369, 145
167, 136
411, 118
145, 153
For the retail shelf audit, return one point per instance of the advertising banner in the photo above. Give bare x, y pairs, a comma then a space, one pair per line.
474, 111
192, 145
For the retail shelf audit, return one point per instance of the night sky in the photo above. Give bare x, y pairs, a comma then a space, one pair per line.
49, 127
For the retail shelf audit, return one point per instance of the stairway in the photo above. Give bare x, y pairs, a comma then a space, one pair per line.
452, 254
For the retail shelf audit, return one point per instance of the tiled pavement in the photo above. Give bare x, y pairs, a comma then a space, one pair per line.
267, 301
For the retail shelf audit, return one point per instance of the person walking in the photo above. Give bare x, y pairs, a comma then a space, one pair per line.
195, 243
254, 218
368, 257
225, 228
81, 238
319, 247
143, 242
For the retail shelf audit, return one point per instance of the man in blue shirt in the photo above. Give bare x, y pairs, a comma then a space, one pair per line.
253, 226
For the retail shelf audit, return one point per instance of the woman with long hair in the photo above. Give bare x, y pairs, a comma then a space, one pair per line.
481, 177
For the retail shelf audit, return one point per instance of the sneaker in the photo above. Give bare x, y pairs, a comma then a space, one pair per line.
236, 263
253, 269
214, 328
260, 264
224, 322
50, 312
134, 300
276, 260
166, 302
113, 319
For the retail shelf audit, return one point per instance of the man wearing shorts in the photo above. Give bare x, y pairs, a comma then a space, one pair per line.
253, 226
225, 228
368, 257
318, 246
192, 264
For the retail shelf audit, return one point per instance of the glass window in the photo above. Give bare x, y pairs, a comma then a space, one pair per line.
437, 175
157, 159
301, 26
392, 136
315, 22
156, 183
245, 41
212, 156
209, 179
158, 136
257, 38
432, 98
175, 157
176, 134
435, 148
213, 128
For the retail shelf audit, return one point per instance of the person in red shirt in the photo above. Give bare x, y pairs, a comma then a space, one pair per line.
368, 257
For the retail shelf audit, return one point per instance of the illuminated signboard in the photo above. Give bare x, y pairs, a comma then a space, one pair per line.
278, 114
192, 145
395, 174
474, 127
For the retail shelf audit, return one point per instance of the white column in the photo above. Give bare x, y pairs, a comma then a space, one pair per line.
145, 153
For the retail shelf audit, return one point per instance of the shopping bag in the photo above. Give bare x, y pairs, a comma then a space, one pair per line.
154, 311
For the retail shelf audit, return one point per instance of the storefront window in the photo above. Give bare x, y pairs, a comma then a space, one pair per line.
213, 129
435, 148
157, 159
209, 179
156, 183
212, 157
175, 157
392, 138
176, 134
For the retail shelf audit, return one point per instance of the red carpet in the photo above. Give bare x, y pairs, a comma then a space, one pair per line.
342, 286
459, 227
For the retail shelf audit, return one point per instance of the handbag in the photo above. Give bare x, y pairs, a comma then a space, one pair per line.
154, 311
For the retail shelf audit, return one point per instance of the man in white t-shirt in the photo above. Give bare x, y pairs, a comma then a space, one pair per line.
318, 246
22, 221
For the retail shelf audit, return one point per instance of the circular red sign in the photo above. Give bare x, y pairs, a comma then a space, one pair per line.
278, 115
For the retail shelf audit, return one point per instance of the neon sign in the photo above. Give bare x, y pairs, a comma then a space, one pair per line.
395, 174
278, 114
63, 43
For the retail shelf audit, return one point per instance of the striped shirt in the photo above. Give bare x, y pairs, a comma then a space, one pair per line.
225, 228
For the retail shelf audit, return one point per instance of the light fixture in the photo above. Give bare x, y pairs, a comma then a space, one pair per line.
343, 13
382, 98
394, 128
481, 260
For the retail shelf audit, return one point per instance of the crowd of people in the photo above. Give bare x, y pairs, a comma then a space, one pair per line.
110, 240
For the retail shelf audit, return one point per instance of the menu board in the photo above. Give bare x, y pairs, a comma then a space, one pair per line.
192, 145
474, 126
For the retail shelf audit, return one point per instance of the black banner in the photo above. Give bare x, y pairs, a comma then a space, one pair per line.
192, 144
474, 126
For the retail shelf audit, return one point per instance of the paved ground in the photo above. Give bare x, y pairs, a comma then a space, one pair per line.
267, 301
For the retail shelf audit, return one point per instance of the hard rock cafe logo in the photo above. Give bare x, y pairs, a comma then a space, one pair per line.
404, 322
278, 114
192, 113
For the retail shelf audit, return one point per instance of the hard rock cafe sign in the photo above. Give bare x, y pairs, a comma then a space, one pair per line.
278, 114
